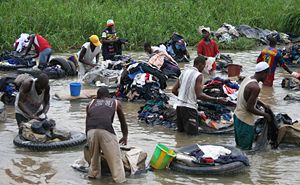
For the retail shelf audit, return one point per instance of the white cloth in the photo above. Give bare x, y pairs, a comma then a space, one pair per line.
23, 42
208, 65
187, 95
213, 151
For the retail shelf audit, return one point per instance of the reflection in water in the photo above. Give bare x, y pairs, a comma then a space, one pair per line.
30, 171
271, 167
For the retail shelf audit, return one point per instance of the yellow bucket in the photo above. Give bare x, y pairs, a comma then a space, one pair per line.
161, 157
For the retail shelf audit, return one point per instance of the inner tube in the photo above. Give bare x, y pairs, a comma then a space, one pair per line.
224, 169
77, 138
64, 65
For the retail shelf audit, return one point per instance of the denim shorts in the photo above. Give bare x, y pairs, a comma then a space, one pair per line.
45, 56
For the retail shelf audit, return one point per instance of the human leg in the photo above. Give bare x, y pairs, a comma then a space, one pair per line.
94, 152
44, 57
111, 150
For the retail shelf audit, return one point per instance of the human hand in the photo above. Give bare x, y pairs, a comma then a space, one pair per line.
295, 74
123, 141
268, 117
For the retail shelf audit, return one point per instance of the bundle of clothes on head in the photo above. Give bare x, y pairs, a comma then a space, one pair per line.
139, 81
157, 111
210, 155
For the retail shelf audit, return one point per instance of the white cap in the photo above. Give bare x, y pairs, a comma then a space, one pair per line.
110, 22
201, 28
261, 66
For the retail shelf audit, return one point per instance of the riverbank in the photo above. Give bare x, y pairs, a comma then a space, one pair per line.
68, 24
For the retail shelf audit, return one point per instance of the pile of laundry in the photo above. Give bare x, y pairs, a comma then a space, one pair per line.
219, 87
157, 111
211, 155
140, 80
108, 72
288, 130
291, 55
215, 116
227, 33
13, 58
291, 83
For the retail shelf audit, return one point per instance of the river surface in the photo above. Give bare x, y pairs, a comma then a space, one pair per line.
21, 166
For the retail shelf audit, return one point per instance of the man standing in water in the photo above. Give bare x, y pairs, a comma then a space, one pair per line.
273, 57
188, 88
245, 112
33, 99
102, 137
207, 46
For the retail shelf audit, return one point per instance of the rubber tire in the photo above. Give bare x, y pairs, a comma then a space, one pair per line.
225, 169
36, 73
63, 63
73, 67
77, 138
12, 67
207, 130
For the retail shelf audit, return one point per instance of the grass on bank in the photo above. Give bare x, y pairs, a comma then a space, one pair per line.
68, 23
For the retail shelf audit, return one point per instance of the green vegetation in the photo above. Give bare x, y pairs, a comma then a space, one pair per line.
68, 23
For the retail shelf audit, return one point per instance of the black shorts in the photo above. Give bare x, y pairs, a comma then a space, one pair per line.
20, 118
187, 120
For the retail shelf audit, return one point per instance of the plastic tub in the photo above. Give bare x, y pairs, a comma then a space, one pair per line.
75, 88
234, 70
161, 157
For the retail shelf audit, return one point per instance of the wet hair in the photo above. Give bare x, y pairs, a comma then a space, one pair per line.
147, 45
102, 92
199, 60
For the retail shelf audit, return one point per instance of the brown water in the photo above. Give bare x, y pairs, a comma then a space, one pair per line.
20, 166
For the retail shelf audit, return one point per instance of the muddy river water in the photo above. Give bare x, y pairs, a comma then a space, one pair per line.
21, 166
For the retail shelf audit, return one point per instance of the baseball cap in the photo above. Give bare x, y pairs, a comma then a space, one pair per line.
95, 40
201, 28
261, 66
110, 22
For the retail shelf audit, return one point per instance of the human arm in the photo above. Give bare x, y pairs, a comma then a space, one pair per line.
111, 40
201, 96
170, 58
46, 102
122, 120
216, 49
175, 88
86, 118
250, 95
199, 49
97, 58
28, 48
81, 59
260, 58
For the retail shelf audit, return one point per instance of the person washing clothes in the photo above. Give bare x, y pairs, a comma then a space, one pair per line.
42, 48
245, 112
101, 136
188, 88
112, 44
207, 46
273, 57
89, 51
33, 99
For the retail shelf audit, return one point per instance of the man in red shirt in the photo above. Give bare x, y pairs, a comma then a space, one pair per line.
42, 48
207, 47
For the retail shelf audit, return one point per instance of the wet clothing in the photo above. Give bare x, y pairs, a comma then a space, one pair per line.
100, 140
241, 107
187, 120
209, 49
101, 114
20, 118
187, 95
89, 57
243, 133
274, 58
34, 101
